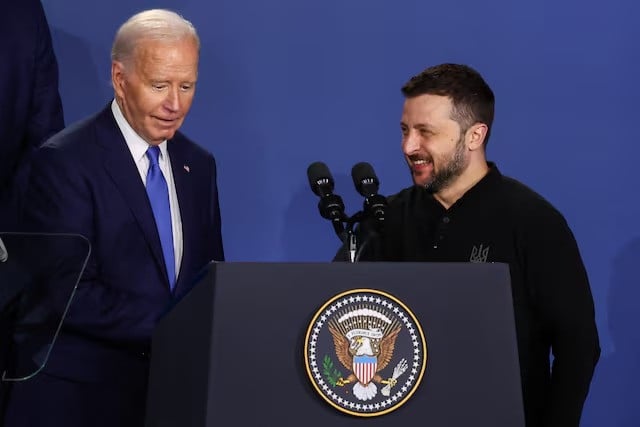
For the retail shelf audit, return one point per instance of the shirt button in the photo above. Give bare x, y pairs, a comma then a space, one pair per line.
446, 219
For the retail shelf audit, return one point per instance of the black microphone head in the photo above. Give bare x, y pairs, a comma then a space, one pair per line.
4, 255
365, 179
320, 179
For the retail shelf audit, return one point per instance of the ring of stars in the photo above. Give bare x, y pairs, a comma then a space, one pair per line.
405, 383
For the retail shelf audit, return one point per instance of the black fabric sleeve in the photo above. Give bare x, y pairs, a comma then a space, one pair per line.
556, 274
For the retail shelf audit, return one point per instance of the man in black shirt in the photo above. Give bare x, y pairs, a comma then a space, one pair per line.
462, 209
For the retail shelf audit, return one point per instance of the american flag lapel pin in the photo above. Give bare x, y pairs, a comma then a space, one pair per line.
186, 168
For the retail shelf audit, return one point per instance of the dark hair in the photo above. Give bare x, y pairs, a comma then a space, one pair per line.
472, 98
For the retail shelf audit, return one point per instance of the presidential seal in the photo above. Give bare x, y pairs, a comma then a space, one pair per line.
365, 352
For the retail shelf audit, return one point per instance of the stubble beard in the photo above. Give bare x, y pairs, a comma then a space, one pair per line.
452, 168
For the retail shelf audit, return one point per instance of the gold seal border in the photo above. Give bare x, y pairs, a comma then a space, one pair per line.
422, 339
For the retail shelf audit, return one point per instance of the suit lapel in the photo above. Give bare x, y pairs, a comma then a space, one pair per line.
123, 171
184, 189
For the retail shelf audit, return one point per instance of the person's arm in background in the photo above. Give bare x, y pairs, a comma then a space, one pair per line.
45, 114
29, 129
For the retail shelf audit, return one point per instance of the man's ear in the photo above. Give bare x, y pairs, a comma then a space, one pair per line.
476, 135
118, 78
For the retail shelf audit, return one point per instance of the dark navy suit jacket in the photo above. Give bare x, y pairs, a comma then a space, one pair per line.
30, 107
84, 180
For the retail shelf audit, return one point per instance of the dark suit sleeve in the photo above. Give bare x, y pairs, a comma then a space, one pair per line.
557, 275
216, 221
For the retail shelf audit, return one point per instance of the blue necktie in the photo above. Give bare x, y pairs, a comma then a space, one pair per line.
159, 197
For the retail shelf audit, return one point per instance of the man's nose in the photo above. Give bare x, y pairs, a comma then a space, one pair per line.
410, 143
172, 102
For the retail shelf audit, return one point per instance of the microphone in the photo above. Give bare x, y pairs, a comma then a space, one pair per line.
331, 206
4, 255
367, 184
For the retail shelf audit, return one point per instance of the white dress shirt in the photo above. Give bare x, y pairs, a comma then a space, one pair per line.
138, 148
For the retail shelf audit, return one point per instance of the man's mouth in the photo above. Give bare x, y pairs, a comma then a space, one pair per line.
166, 122
418, 163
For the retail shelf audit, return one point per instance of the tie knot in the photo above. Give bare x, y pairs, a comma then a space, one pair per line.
153, 153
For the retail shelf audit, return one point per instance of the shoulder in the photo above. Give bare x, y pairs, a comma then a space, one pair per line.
76, 145
75, 137
405, 196
196, 158
190, 148
528, 206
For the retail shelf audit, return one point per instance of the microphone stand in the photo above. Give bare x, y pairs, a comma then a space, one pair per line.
344, 228
352, 240
354, 247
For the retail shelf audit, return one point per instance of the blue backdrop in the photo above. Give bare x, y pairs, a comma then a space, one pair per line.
284, 83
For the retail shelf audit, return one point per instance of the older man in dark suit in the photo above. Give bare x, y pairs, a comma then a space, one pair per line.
146, 198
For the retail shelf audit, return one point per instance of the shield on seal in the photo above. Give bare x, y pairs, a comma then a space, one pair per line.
364, 368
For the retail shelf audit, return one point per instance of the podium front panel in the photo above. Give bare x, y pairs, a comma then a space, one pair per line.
232, 352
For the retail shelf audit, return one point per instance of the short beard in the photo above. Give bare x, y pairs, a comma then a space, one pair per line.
452, 169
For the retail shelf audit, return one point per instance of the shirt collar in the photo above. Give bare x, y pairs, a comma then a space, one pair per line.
136, 144
482, 188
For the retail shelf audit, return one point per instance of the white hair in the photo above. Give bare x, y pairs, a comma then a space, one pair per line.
154, 24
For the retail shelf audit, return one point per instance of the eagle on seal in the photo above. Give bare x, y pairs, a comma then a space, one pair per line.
364, 352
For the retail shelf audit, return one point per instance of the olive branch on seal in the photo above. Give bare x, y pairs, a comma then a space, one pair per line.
330, 373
